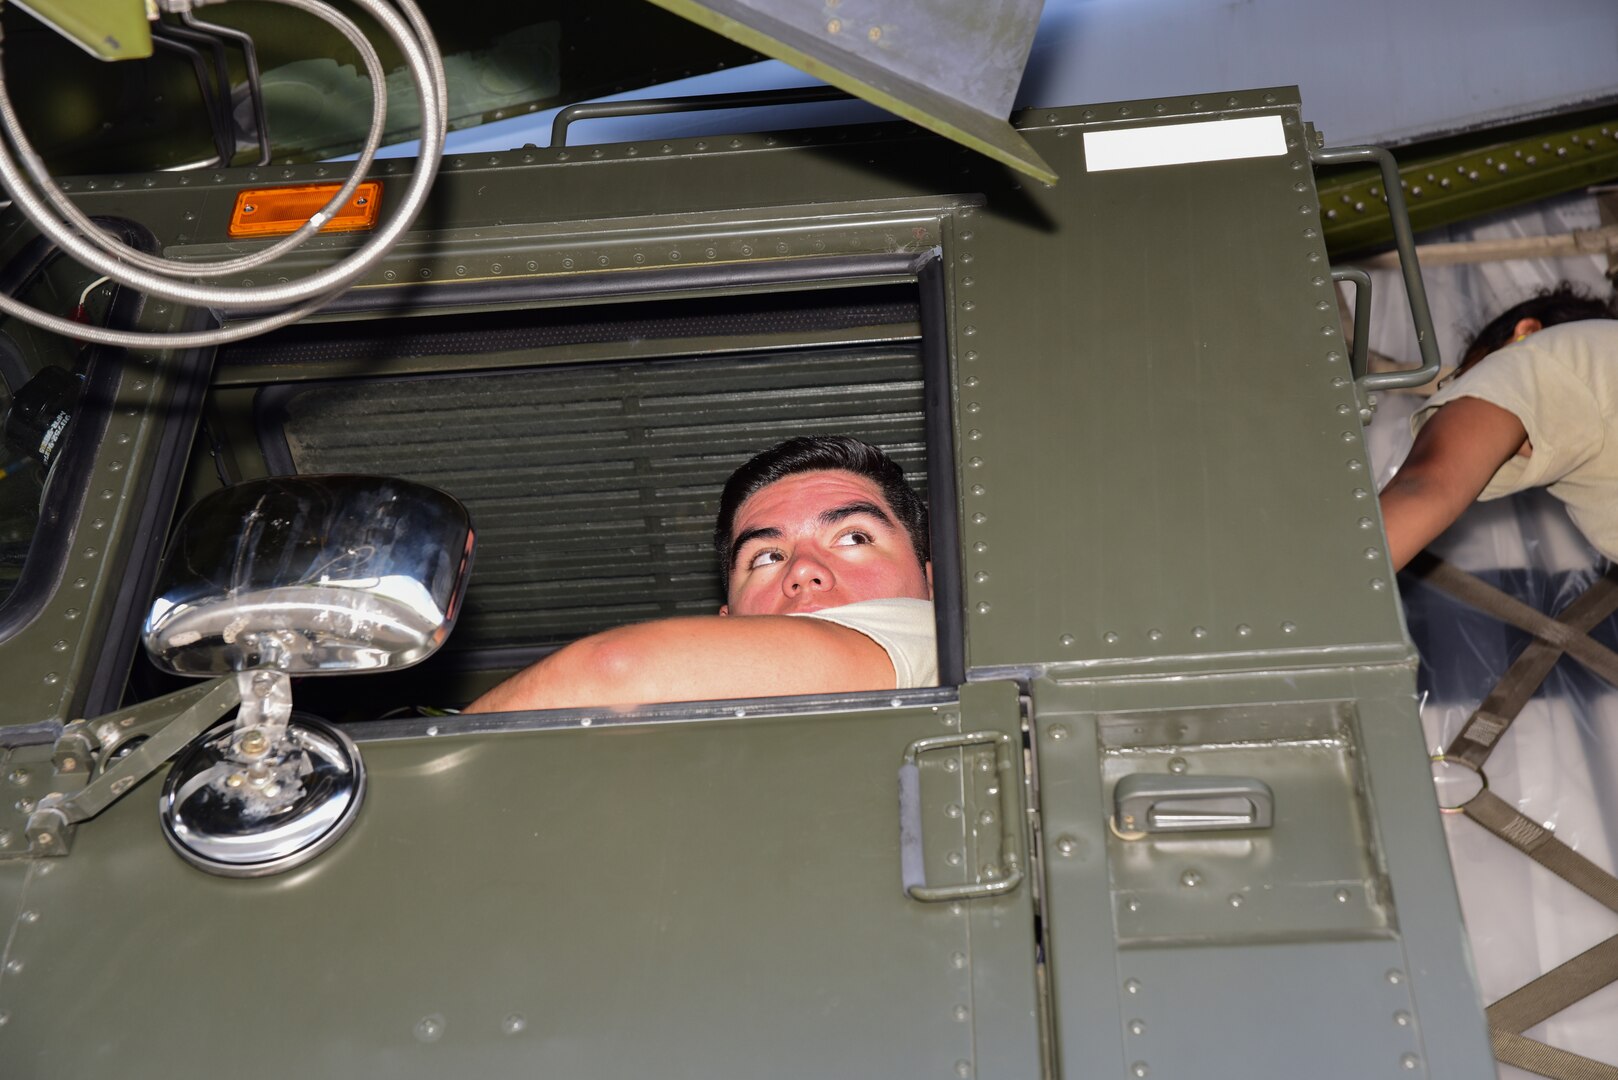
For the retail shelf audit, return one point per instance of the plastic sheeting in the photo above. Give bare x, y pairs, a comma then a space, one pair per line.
1558, 763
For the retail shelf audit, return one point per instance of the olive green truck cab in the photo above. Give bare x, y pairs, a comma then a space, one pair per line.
1169, 814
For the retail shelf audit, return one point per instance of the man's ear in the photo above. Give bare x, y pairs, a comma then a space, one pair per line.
1525, 327
724, 609
928, 566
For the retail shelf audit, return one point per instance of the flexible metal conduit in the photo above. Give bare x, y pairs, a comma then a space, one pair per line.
56, 217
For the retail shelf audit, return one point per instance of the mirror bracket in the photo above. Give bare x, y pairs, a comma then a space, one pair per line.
51, 822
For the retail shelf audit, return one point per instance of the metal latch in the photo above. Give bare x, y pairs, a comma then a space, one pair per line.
1146, 803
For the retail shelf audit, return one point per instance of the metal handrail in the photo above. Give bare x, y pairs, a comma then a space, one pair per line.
1404, 241
1359, 358
598, 110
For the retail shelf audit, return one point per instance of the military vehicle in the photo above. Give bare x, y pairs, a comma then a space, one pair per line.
1168, 814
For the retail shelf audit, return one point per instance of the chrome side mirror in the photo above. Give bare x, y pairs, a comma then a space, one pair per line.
302, 575
311, 575
306, 575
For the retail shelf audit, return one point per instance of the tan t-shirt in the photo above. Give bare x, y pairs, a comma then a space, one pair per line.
904, 628
1562, 383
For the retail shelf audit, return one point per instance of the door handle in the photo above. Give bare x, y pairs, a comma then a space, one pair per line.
912, 865
1146, 803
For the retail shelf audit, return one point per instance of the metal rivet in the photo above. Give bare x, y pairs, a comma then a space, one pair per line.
1199, 632
1137, 1027
1401, 1018
1067, 845
1139, 1070
953, 810
1236, 900
1110, 637
1341, 896
1191, 879
1410, 1061
1243, 630
1059, 731
953, 858
1372, 553
1377, 584
1394, 976
1178, 765
1289, 627
1132, 986
1066, 641
430, 1028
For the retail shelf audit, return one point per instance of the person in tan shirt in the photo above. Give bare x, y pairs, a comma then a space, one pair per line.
1534, 403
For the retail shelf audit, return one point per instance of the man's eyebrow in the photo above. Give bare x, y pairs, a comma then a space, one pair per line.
837, 513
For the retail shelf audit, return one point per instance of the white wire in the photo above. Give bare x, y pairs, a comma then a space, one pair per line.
426, 69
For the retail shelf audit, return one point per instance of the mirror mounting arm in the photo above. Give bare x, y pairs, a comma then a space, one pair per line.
51, 824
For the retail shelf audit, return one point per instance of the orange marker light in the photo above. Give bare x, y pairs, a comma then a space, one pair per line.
276, 211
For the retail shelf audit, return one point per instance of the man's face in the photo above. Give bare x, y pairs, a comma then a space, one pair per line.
818, 540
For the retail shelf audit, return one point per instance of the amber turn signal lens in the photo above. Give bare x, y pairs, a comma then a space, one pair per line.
276, 211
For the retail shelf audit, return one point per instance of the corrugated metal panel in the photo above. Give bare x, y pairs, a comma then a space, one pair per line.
593, 487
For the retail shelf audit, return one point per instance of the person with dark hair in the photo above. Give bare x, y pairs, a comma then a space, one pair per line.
828, 586
1533, 403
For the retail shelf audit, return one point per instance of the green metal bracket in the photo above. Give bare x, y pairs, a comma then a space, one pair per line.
106, 29
1464, 184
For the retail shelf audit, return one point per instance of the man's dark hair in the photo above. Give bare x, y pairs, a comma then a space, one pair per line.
816, 453
1564, 303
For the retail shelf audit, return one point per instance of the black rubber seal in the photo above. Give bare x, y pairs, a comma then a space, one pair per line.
67, 487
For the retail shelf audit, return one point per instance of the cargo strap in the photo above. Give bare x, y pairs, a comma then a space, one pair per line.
1597, 967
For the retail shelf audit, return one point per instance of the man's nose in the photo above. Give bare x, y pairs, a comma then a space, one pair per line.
807, 573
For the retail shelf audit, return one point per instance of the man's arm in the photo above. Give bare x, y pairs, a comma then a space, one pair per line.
1454, 456
700, 658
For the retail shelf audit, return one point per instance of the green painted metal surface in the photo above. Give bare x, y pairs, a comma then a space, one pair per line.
1334, 939
1152, 434
1163, 459
697, 899
1469, 182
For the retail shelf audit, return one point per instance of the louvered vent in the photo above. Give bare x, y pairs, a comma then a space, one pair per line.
593, 487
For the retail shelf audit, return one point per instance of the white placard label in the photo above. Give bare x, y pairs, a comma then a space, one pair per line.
1184, 144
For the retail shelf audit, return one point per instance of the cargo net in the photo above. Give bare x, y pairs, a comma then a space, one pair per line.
1552, 637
